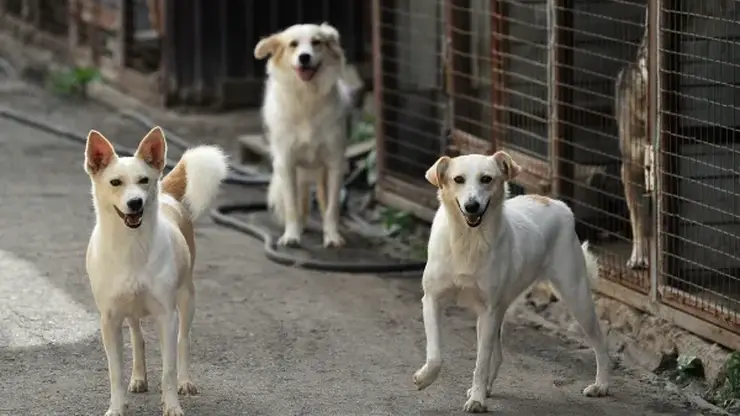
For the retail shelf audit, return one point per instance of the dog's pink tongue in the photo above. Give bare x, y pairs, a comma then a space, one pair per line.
306, 74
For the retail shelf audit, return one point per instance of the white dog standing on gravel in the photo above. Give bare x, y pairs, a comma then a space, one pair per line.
141, 254
304, 111
487, 249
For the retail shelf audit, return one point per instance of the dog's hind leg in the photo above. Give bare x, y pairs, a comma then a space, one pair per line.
138, 382
186, 311
304, 196
571, 280
321, 182
168, 327
110, 327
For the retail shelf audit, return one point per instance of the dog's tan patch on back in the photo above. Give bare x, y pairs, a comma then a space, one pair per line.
540, 198
175, 182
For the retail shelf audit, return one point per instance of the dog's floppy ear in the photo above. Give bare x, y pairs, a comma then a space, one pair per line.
266, 47
99, 153
153, 149
506, 164
331, 37
436, 174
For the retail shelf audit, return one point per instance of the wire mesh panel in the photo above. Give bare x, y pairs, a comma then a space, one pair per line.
409, 36
471, 74
701, 159
602, 79
525, 88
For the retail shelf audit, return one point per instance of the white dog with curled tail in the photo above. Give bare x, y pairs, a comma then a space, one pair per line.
486, 249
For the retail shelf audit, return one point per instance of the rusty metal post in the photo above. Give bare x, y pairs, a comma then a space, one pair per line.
377, 25
653, 132
560, 76
667, 185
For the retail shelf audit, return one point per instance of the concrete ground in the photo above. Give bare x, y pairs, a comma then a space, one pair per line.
267, 340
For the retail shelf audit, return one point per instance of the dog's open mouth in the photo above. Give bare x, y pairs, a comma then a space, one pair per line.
474, 220
306, 73
131, 220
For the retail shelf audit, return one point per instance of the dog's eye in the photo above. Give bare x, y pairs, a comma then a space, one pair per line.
459, 179
115, 182
143, 181
293, 44
485, 179
315, 42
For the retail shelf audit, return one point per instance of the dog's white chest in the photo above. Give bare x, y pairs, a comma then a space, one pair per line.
308, 148
126, 293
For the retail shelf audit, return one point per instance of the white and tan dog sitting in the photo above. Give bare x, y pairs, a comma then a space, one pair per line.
304, 111
141, 253
486, 250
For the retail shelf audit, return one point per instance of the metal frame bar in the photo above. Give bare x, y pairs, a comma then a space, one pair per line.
653, 132
560, 58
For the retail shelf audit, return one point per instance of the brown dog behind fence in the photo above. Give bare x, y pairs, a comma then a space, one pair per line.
630, 106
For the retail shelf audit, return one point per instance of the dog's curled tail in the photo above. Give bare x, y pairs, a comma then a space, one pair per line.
196, 178
592, 264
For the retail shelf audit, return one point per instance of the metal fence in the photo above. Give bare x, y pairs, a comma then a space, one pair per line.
626, 109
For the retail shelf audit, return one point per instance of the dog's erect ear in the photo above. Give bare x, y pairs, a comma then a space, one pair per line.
266, 47
99, 153
436, 174
153, 149
331, 37
506, 164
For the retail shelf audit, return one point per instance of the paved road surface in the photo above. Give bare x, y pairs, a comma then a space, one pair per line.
266, 340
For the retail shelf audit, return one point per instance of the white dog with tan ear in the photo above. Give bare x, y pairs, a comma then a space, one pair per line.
486, 250
305, 107
141, 254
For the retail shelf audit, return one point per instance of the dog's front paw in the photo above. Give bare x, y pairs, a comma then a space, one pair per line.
596, 390
637, 261
474, 406
333, 240
187, 388
173, 411
138, 386
489, 392
425, 376
114, 412
289, 240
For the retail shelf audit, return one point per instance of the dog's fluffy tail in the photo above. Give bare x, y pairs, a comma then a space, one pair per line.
592, 264
196, 178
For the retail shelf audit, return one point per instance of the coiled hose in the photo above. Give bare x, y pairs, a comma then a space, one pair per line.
223, 214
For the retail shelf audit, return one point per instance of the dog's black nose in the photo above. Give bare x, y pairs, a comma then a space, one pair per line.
472, 207
304, 59
135, 204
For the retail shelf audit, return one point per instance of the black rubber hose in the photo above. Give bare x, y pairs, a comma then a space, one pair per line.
239, 175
